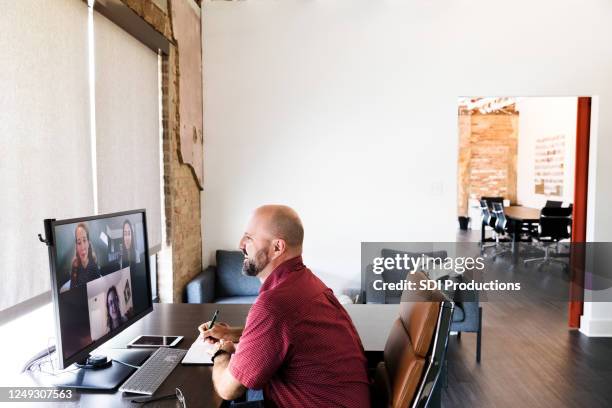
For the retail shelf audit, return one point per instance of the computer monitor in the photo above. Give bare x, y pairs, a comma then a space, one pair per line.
100, 279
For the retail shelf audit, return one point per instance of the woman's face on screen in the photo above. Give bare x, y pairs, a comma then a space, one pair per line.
127, 236
113, 305
82, 245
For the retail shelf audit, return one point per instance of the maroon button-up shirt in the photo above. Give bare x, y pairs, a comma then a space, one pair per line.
300, 345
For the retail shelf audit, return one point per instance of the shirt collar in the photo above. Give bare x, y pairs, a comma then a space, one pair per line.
281, 271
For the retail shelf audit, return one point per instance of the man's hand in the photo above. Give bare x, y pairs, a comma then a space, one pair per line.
227, 346
220, 331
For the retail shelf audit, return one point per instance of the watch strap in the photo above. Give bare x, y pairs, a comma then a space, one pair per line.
218, 353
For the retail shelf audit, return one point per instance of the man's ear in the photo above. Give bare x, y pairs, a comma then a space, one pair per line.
279, 246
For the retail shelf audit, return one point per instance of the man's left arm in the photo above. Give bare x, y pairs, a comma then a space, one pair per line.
226, 385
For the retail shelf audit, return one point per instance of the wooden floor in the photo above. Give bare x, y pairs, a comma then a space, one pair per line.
529, 358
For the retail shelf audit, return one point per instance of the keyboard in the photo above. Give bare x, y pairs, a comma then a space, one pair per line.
147, 379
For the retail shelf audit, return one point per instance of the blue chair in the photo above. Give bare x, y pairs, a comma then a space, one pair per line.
223, 283
467, 315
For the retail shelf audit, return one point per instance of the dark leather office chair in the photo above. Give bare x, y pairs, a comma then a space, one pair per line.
491, 200
488, 220
553, 204
415, 351
555, 225
501, 230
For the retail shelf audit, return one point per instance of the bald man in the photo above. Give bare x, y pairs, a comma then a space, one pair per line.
299, 344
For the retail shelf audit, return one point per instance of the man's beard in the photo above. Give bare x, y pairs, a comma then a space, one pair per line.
252, 267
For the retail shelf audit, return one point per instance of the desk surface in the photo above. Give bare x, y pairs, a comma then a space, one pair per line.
373, 323
523, 214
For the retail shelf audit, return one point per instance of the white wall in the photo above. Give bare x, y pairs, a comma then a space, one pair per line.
544, 117
347, 110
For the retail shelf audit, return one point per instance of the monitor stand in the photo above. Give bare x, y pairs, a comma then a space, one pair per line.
107, 376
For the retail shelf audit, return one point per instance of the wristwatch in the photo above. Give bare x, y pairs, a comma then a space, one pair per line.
217, 353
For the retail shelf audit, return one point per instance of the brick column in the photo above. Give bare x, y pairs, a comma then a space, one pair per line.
488, 148
180, 258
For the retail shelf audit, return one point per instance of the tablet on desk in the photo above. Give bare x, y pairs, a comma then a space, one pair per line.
155, 341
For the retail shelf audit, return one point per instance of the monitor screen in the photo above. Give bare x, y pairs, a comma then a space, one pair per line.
101, 277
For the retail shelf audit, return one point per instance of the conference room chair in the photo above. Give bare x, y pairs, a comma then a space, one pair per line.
501, 231
555, 225
415, 351
488, 221
491, 200
553, 204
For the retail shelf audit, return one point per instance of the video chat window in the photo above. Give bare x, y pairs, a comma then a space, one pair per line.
89, 250
109, 302
101, 275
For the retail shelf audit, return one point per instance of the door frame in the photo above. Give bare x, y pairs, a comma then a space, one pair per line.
579, 215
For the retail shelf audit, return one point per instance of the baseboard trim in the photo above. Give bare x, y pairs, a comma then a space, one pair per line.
596, 327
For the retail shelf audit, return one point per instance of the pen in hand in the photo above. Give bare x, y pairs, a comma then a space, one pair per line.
213, 320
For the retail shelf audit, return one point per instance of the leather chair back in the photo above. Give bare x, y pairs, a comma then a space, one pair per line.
555, 223
500, 225
408, 349
485, 213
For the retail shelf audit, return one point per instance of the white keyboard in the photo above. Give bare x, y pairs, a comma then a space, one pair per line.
147, 379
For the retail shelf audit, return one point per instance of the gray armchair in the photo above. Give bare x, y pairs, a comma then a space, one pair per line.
467, 314
372, 295
223, 283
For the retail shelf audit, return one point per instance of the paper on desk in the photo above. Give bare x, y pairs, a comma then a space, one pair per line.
199, 352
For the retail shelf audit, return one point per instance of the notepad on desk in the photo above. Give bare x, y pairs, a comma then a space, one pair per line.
199, 352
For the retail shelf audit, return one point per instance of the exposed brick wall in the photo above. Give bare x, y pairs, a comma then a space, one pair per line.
183, 216
181, 256
487, 157
463, 171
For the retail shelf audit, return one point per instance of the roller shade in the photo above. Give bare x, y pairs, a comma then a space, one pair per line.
45, 143
48, 165
127, 125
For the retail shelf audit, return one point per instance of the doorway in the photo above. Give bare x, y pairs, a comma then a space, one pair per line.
527, 152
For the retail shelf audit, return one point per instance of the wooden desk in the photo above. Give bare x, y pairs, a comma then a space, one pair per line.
373, 323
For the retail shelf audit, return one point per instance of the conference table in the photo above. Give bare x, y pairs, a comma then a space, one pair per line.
522, 214
519, 216
372, 322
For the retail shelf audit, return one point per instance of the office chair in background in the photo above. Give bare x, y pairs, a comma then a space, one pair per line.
555, 225
501, 232
488, 220
553, 204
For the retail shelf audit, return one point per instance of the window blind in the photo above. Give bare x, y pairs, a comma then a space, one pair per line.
127, 125
45, 144
48, 165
